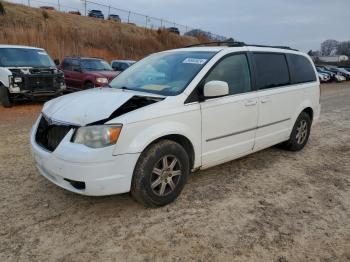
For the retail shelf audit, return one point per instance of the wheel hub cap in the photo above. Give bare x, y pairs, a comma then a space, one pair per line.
165, 175
302, 130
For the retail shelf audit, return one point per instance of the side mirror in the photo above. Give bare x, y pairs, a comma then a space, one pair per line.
57, 62
215, 89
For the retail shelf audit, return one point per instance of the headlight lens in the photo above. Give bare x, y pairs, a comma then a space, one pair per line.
102, 80
97, 136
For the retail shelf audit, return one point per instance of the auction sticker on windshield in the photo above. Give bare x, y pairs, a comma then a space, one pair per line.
194, 61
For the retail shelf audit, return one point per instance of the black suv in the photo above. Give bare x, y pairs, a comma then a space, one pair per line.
96, 14
174, 30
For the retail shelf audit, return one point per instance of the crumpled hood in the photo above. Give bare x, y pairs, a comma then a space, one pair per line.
85, 107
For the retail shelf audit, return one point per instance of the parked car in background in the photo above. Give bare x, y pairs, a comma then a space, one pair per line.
174, 30
114, 18
85, 73
332, 75
323, 77
121, 65
338, 71
74, 12
340, 78
49, 8
346, 68
28, 73
344, 72
174, 112
96, 14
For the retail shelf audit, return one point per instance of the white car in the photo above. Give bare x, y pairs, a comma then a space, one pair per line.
339, 78
174, 112
323, 77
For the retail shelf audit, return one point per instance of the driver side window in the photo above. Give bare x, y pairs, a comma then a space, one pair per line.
234, 70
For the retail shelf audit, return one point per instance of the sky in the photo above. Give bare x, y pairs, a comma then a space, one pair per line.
301, 24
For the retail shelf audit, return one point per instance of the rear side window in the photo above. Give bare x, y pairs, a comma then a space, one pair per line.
271, 70
301, 70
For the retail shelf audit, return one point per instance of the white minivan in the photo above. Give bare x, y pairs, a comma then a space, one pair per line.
174, 112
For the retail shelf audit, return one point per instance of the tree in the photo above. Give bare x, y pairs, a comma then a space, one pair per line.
2, 9
344, 48
329, 47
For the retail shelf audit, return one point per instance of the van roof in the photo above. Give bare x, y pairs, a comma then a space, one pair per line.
20, 46
245, 48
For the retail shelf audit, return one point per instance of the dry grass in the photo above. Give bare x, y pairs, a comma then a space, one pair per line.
66, 34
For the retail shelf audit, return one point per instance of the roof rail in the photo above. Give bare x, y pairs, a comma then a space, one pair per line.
238, 44
275, 46
220, 43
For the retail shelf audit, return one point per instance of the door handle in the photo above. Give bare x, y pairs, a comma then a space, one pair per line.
264, 100
251, 103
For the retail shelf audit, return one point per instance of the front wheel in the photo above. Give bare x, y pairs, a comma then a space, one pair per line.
5, 97
300, 133
160, 174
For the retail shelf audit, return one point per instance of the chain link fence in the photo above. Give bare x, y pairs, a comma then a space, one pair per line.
126, 16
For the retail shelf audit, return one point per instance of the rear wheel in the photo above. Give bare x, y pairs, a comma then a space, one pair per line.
160, 174
300, 133
5, 97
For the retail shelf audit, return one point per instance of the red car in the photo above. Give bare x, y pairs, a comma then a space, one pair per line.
84, 73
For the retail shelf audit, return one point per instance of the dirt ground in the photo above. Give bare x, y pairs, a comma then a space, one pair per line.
270, 206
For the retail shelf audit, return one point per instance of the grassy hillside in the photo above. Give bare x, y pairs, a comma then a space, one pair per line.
66, 34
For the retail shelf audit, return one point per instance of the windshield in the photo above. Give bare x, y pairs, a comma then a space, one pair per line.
95, 65
21, 57
166, 73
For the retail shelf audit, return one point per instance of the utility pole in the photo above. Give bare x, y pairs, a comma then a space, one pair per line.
129, 16
109, 10
28, 2
59, 5
85, 4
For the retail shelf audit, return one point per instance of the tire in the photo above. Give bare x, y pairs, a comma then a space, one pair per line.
89, 85
151, 184
300, 133
5, 97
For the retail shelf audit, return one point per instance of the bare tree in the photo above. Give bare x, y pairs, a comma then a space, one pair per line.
344, 48
329, 47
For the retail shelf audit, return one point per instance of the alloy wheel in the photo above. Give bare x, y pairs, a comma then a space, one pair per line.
301, 132
165, 175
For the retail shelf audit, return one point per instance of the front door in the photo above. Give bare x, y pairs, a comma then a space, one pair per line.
229, 123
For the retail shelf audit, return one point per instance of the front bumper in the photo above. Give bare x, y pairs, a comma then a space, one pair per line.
69, 164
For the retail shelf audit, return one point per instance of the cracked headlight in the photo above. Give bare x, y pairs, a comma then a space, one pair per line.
97, 136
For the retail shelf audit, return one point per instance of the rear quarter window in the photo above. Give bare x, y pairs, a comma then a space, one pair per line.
271, 70
301, 69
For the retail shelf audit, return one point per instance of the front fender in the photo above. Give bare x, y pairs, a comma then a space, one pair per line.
135, 137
